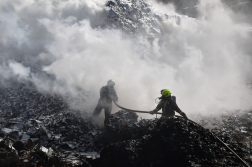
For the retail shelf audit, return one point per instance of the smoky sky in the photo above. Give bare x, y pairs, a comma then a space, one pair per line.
145, 46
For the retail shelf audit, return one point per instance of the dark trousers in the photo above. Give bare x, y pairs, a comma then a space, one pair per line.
107, 107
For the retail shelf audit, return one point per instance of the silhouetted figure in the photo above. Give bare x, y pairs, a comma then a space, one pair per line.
107, 94
168, 105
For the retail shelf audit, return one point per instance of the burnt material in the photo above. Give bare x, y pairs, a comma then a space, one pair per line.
171, 142
41, 129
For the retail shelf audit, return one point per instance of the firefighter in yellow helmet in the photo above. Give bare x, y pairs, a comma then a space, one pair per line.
168, 105
107, 94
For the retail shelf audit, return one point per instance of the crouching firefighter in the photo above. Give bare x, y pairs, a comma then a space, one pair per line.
168, 105
107, 94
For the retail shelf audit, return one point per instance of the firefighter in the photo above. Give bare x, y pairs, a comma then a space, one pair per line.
107, 94
168, 105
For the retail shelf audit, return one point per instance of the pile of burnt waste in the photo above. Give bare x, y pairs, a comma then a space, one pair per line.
123, 125
40, 129
235, 127
238, 127
164, 142
26, 153
64, 130
45, 120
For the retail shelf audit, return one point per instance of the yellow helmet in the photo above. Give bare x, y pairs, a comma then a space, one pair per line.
165, 92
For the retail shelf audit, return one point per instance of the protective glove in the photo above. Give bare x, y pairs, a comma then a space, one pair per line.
184, 115
152, 112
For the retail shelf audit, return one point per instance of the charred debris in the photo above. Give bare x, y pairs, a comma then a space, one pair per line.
40, 130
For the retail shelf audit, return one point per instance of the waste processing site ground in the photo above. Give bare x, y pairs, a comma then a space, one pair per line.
55, 56
40, 129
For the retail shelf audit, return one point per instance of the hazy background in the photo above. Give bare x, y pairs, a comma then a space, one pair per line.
73, 47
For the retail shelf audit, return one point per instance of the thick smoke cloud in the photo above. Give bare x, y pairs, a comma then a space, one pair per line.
74, 47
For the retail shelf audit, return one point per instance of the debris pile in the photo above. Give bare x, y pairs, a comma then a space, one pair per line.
28, 153
119, 126
232, 127
237, 126
46, 120
138, 17
123, 125
172, 142
24, 101
42, 130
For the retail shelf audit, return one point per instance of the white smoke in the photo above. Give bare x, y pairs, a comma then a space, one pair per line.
13, 70
205, 62
19, 69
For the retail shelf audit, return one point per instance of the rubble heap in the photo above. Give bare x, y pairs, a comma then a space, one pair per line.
41, 129
47, 121
20, 154
138, 17
172, 142
123, 125
234, 127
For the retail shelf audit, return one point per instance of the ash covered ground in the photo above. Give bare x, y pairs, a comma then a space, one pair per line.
40, 129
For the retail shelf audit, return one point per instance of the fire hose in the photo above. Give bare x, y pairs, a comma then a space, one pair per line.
215, 137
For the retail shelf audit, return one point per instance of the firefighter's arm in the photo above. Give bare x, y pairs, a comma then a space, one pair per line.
177, 109
183, 114
112, 94
159, 106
